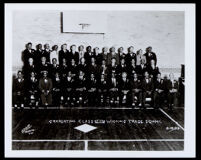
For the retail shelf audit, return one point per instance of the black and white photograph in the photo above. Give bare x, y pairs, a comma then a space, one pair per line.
100, 77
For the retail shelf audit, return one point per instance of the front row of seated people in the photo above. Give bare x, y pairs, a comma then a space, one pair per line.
53, 85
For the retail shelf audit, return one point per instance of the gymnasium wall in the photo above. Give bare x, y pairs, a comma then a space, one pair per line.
164, 31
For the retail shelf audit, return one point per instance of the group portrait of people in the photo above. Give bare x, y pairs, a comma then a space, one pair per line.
86, 76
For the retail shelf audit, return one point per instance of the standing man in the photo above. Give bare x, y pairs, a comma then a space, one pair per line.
159, 88
121, 53
112, 55
130, 55
172, 86
46, 52
45, 86
19, 90
88, 55
147, 89
73, 54
64, 54
150, 55
28, 53
38, 53
104, 53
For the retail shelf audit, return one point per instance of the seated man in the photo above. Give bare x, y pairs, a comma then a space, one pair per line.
18, 90
45, 86
56, 90
153, 70
113, 67
124, 88
172, 86
33, 93
92, 90
102, 90
103, 69
73, 68
28, 68
92, 68
113, 89
136, 88
159, 87
80, 91
68, 96
147, 89
122, 67
141, 69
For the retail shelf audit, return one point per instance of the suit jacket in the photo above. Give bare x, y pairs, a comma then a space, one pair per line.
140, 71
124, 85
121, 69
32, 84
38, 54
110, 56
45, 86
129, 57
135, 84
88, 57
68, 83
149, 58
54, 69
147, 86
46, 54
172, 85
104, 56
65, 55
19, 86
159, 85
74, 56
153, 71
102, 85
26, 54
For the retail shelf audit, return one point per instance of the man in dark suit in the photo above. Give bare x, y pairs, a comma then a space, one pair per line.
113, 86
45, 86
153, 70
73, 68
81, 89
150, 55
112, 55
147, 89
64, 54
92, 68
30, 67
46, 52
172, 86
121, 53
159, 87
82, 66
38, 54
130, 55
88, 55
122, 67
92, 90
103, 69
112, 68
63, 68
73, 54
141, 69
102, 90
28, 53
44, 66
104, 53
56, 90
68, 90
54, 68
32, 90
136, 87
19, 90
132, 68
124, 88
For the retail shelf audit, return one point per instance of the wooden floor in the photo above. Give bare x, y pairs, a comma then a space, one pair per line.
117, 129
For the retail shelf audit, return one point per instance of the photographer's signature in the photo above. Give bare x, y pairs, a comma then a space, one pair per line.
28, 130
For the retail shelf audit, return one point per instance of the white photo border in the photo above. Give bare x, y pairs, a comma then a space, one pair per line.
189, 134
